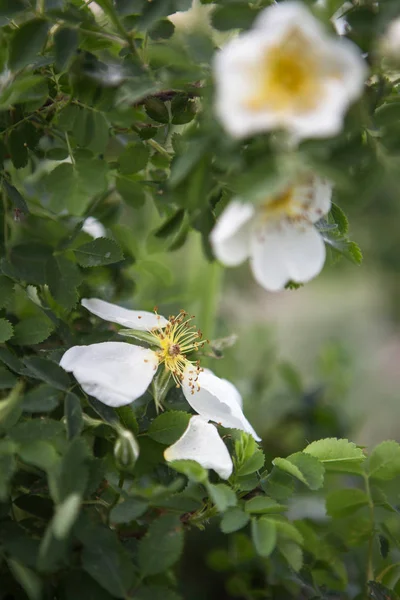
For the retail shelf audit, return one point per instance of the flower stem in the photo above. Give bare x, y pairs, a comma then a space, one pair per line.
121, 482
209, 299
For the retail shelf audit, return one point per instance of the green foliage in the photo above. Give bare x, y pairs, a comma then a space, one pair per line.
107, 117
306, 468
162, 545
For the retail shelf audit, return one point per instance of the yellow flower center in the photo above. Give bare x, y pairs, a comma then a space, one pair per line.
288, 77
284, 204
176, 340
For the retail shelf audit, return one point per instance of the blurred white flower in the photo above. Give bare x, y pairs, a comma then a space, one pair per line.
278, 236
200, 442
391, 41
93, 227
117, 373
287, 72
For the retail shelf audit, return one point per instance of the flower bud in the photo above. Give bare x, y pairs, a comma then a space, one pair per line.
126, 449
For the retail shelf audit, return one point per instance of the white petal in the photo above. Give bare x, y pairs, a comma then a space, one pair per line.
235, 66
283, 18
346, 72
93, 227
201, 443
230, 238
284, 252
315, 195
134, 319
115, 373
215, 399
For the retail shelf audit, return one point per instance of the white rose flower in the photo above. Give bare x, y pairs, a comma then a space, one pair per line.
287, 72
117, 373
278, 236
200, 442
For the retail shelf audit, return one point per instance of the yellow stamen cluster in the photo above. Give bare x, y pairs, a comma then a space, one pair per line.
288, 78
292, 202
176, 340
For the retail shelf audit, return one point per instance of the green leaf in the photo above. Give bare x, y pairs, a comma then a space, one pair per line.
233, 519
168, 427
252, 464
234, 16
337, 454
27, 579
73, 186
66, 42
156, 110
263, 534
134, 158
73, 415
183, 109
12, 362
15, 197
18, 148
7, 379
340, 219
222, 496
78, 585
191, 469
73, 474
162, 545
90, 129
131, 191
263, 505
42, 398
27, 41
39, 506
128, 510
387, 114
6, 290
384, 462
163, 30
28, 262
306, 468
63, 277
101, 251
171, 225
343, 246
341, 503
39, 454
105, 560
6, 330
293, 554
32, 330
8, 8
288, 531
8, 466
127, 418
47, 371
